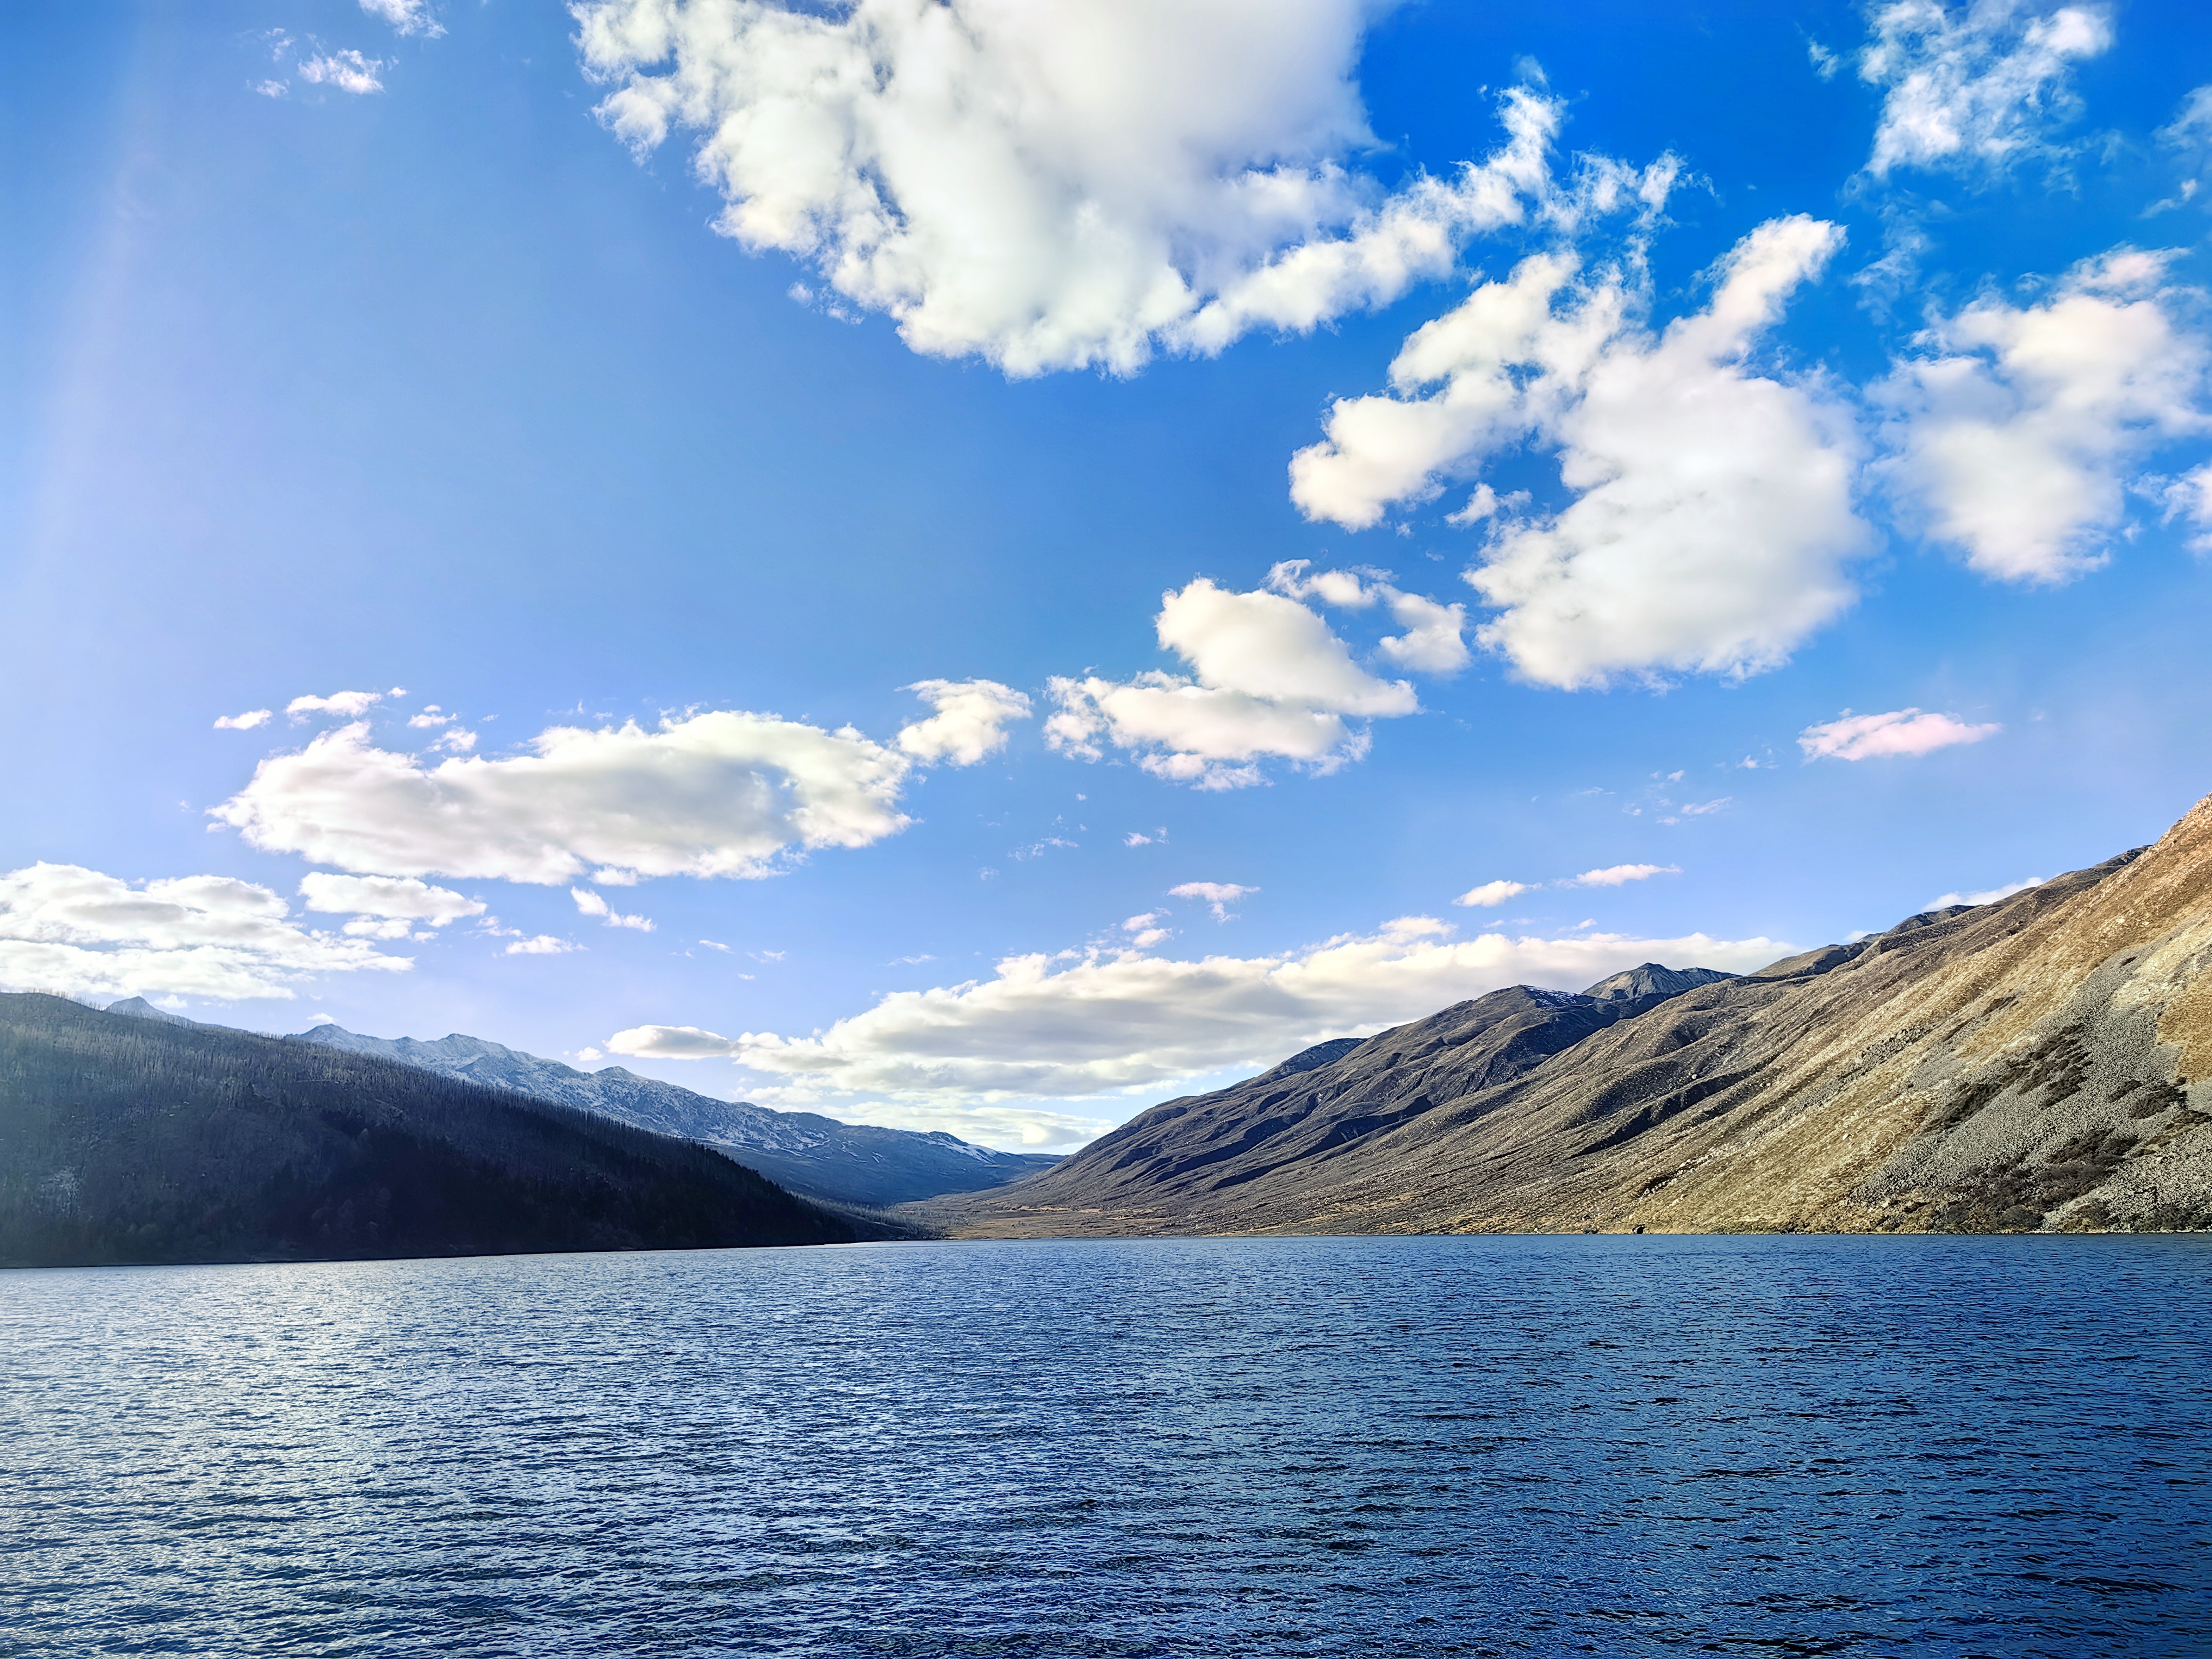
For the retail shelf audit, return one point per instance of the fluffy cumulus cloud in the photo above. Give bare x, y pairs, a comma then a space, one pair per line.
1125, 1021
723, 793
385, 907
77, 933
1712, 518
1071, 185
245, 723
1978, 86
1899, 732
970, 721
1434, 641
1268, 679
2017, 432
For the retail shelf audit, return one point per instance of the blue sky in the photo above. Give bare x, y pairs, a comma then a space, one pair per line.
649, 397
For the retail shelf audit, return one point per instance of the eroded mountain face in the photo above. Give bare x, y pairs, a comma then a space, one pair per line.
2041, 1062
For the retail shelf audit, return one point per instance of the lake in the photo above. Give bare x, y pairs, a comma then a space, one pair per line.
1401, 1446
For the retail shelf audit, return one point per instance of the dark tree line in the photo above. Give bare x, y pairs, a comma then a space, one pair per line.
128, 1140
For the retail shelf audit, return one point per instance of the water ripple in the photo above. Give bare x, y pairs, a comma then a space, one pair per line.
1190, 1448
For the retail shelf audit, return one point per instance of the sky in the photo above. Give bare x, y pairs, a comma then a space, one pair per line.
978, 567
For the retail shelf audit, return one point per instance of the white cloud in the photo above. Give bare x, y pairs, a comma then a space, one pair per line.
270, 88
430, 718
1122, 1021
455, 741
1345, 590
1145, 931
76, 932
1976, 86
593, 905
2014, 440
1620, 875
1432, 642
982, 1124
246, 722
1269, 679
544, 945
400, 897
671, 1043
407, 16
2189, 136
970, 721
1073, 185
1218, 895
2190, 497
723, 793
1900, 731
1712, 515
1946, 901
348, 705
348, 71
1491, 894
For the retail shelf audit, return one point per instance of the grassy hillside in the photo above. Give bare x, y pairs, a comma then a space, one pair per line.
2041, 1062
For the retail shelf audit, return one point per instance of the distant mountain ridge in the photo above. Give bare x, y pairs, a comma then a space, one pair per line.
816, 1156
125, 1139
1652, 981
2042, 1061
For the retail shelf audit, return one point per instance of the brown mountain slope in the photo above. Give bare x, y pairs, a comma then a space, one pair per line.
2039, 1062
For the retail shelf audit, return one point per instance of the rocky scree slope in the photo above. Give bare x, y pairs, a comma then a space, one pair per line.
2042, 1062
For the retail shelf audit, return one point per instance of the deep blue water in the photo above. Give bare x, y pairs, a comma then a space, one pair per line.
1946, 1446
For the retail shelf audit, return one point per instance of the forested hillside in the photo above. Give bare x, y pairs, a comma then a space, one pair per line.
129, 1140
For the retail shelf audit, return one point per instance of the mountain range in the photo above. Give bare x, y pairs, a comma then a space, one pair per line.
2044, 1062
131, 1139
846, 1163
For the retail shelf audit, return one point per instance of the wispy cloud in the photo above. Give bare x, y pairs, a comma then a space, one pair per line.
1899, 732
1620, 875
348, 71
1218, 895
1491, 894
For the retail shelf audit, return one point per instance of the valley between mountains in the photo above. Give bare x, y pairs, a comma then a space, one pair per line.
2041, 1062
